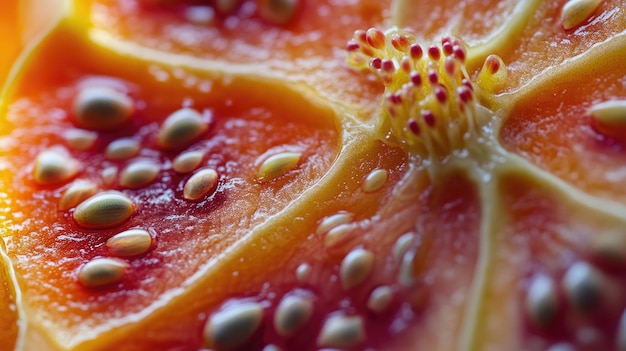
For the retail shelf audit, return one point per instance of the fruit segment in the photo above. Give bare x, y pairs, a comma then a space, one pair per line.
553, 126
64, 267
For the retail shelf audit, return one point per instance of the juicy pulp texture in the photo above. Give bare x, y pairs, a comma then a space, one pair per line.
529, 194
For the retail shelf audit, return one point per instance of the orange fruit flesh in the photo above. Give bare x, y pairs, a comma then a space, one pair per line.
476, 246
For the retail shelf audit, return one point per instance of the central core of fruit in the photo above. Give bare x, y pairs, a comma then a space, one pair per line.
430, 103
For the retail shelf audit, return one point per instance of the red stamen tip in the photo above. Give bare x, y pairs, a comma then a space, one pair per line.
447, 48
375, 38
416, 79
441, 95
376, 63
387, 66
352, 46
434, 53
429, 118
416, 52
414, 127
433, 77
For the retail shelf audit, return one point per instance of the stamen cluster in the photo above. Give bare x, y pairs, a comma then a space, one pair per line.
429, 99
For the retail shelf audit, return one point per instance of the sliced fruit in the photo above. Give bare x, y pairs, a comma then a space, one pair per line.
188, 175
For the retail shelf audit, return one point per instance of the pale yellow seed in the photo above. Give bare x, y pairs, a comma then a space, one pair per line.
200, 184
76, 193
303, 272
401, 246
375, 180
278, 165
109, 174
356, 267
55, 166
187, 161
610, 117
542, 300
339, 235
181, 129
80, 139
342, 332
139, 174
406, 274
333, 221
132, 242
231, 328
277, 11
576, 12
122, 149
292, 313
104, 210
102, 108
101, 272
380, 299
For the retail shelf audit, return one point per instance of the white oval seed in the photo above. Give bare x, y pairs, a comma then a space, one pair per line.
341, 331
583, 285
303, 273
139, 174
332, 221
80, 139
231, 328
55, 166
132, 242
182, 128
339, 235
104, 210
401, 246
292, 313
375, 180
610, 117
542, 300
101, 272
380, 299
122, 149
356, 267
200, 184
199, 14
109, 174
187, 161
278, 165
76, 193
102, 108
406, 274
576, 12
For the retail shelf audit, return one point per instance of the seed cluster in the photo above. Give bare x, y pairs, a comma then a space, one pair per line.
582, 291
102, 198
291, 314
